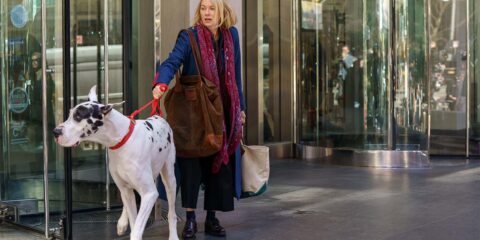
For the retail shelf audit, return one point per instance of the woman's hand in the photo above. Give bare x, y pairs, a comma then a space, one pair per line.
243, 117
159, 90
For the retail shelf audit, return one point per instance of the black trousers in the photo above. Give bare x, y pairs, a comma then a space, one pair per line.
219, 187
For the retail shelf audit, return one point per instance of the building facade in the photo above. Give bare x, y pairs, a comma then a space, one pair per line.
364, 82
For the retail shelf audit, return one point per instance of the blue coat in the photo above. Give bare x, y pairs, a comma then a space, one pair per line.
182, 55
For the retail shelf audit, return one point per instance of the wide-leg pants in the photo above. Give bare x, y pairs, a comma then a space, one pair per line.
219, 187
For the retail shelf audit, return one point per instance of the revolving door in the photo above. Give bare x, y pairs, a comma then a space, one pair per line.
364, 86
391, 82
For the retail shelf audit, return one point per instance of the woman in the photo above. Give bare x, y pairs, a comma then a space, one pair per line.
219, 46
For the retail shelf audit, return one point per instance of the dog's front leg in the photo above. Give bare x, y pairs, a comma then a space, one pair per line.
122, 224
128, 199
148, 200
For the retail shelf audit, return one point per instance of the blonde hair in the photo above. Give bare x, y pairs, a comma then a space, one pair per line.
226, 15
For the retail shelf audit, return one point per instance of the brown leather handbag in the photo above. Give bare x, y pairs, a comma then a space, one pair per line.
195, 112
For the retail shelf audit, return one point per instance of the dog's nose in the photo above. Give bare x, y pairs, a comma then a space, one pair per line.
57, 132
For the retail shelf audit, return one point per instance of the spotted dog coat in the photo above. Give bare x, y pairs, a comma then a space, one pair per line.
148, 152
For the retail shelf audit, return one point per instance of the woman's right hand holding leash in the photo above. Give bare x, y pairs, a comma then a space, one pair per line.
159, 90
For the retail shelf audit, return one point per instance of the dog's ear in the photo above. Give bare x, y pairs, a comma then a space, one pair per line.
106, 109
92, 96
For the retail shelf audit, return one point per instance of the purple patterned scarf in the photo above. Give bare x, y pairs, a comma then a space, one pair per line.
210, 71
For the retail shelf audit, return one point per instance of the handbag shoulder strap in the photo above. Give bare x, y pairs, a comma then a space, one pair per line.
196, 52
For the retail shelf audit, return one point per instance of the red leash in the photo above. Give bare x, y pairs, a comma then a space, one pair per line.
155, 111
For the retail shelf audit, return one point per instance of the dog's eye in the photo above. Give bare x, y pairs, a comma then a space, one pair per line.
81, 113
96, 112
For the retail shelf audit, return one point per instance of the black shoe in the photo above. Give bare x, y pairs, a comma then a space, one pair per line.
189, 229
212, 227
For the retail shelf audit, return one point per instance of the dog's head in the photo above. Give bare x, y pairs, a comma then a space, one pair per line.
84, 121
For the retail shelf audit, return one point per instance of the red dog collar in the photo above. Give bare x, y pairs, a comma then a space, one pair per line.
126, 137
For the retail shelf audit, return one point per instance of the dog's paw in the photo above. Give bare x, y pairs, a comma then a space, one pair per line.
122, 228
173, 237
122, 225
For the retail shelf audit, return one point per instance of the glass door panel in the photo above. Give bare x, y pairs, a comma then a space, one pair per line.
448, 71
87, 24
115, 55
22, 142
55, 112
271, 71
411, 82
474, 77
344, 72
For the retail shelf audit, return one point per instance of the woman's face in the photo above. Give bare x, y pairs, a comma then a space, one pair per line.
35, 62
208, 14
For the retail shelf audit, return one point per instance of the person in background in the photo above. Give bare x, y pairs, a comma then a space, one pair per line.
346, 62
35, 92
219, 46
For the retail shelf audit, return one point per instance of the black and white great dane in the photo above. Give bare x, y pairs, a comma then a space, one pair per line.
148, 152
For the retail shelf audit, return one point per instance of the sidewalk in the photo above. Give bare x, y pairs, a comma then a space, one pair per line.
312, 201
